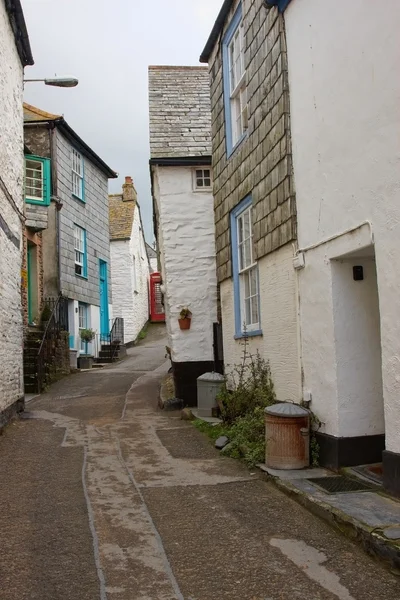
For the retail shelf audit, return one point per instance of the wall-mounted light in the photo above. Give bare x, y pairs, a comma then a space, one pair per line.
64, 82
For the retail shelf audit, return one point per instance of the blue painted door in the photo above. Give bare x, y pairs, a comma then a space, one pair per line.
104, 320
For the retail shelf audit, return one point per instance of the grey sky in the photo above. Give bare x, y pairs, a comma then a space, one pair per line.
108, 45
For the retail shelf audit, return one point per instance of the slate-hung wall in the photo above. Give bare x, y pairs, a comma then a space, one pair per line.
91, 215
262, 163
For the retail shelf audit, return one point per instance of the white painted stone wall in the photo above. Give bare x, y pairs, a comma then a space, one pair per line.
129, 301
279, 342
153, 265
12, 170
346, 152
187, 251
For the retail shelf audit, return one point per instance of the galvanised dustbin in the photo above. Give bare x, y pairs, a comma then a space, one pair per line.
208, 386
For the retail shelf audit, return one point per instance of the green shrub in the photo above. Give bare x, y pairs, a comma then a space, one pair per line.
249, 386
247, 437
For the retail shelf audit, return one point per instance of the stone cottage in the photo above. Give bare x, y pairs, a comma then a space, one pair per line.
129, 261
254, 198
180, 165
15, 54
75, 256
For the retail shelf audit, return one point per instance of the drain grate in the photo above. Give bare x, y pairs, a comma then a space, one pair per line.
340, 485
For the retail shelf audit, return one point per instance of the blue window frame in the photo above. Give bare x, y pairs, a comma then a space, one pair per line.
37, 180
245, 272
234, 80
80, 246
78, 182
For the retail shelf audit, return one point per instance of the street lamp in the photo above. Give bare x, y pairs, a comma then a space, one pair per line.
64, 82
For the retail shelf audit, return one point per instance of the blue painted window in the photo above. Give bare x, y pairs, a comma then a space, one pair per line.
245, 271
234, 76
37, 180
80, 245
78, 187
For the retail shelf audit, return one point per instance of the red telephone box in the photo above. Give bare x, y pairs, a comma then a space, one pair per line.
156, 299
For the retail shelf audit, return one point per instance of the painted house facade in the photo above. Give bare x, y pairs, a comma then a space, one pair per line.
15, 54
75, 256
129, 262
346, 156
180, 165
254, 197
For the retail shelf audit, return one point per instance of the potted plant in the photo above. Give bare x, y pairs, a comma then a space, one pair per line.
86, 360
185, 317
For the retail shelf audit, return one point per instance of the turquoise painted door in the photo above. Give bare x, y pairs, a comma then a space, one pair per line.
104, 320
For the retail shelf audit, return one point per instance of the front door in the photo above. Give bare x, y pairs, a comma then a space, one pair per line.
104, 322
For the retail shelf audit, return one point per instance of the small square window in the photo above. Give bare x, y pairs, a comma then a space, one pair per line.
202, 179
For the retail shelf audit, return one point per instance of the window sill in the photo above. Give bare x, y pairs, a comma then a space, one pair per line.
80, 199
240, 336
236, 146
37, 202
85, 277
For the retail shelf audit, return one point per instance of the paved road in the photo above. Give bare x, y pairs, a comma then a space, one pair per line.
104, 497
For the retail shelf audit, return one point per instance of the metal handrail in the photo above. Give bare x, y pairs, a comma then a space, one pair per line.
57, 322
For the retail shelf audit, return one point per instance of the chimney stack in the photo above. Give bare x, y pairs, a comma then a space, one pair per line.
129, 193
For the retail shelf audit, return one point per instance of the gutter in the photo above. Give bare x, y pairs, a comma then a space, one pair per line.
214, 35
78, 142
18, 25
184, 161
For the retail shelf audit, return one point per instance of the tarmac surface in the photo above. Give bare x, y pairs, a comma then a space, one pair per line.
105, 497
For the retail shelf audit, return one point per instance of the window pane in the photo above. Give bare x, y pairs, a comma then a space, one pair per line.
206, 173
247, 306
240, 229
247, 293
253, 282
247, 253
199, 183
254, 310
199, 173
207, 182
34, 179
246, 224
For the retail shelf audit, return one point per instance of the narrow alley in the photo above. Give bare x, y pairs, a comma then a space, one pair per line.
106, 497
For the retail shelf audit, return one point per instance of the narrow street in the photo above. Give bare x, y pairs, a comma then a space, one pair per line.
103, 496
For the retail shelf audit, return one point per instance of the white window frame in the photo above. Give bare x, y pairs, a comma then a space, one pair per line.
34, 180
199, 175
237, 85
77, 174
247, 272
83, 323
80, 250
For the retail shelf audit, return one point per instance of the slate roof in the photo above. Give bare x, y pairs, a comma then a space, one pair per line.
121, 215
180, 112
32, 114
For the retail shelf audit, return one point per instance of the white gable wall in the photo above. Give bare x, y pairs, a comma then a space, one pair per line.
346, 154
187, 248
130, 301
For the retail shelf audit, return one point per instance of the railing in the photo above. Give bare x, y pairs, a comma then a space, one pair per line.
58, 321
116, 336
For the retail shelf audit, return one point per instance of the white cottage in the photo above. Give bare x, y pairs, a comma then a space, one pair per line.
130, 268
180, 145
15, 54
345, 119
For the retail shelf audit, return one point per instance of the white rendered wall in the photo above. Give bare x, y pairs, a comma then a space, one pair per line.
187, 250
346, 153
129, 301
279, 343
12, 173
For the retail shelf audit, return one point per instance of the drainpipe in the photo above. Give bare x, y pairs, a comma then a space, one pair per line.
54, 184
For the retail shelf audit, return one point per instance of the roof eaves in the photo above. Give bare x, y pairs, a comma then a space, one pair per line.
182, 161
216, 30
18, 25
81, 145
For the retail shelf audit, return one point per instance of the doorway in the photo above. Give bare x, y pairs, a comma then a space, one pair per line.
33, 303
104, 317
358, 350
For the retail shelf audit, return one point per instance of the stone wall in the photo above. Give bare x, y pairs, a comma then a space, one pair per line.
11, 220
261, 165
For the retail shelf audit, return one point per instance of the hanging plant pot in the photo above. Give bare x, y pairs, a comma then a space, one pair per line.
184, 323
